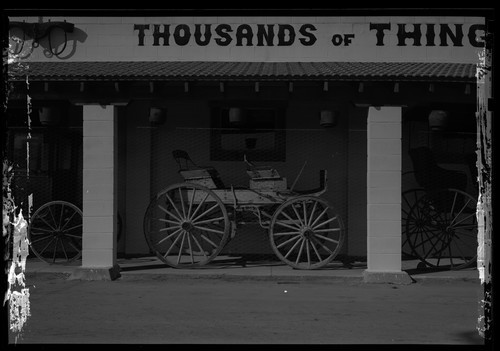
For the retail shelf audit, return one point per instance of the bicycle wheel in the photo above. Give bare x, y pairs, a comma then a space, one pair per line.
442, 229
305, 233
55, 232
186, 225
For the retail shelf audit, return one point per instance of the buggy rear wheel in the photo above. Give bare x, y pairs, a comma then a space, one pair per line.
442, 229
305, 233
186, 225
55, 232
408, 199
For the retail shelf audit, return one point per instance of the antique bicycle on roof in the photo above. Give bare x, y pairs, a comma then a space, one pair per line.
188, 224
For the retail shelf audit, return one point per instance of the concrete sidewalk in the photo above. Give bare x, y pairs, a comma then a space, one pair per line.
150, 267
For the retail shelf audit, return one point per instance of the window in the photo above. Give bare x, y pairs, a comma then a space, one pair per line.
254, 129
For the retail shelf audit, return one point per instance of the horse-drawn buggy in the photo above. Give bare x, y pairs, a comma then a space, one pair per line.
188, 224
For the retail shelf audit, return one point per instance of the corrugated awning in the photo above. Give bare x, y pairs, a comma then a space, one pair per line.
243, 71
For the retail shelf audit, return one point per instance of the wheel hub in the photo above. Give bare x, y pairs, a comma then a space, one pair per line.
187, 226
307, 233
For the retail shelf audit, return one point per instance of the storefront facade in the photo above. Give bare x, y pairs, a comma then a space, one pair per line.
377, 78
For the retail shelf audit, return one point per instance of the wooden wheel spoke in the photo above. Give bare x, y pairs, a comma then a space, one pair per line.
182, 245
68, 221
74, 227
290, 219
321, 244
173, 244
179, 216
453, 223
42, 229
288, 241
216, 205
319, 217
78, 249
189, 246
304, 211
73, 235
433, 245
312, 213
316, 251
423, 242
199, 246
300, 251
323, 223
209, 241
286, 225
465, 226
286, 233
45, 237
454, 202
191, 201
460, 212
326, 230
293, 247
199, 206
55, 250
178, 219
46, 246
169, 236
48, 224
168, 221
218, 219
52, 215
327, 238
208, 229
181, 200
308, 254
297, 215
64, 250
175, 227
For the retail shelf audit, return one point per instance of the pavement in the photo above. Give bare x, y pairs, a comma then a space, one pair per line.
249, 301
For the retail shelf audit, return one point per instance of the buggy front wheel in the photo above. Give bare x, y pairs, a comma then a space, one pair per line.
305, 233
186, 225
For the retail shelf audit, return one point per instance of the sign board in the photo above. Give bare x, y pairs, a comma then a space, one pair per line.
257, 39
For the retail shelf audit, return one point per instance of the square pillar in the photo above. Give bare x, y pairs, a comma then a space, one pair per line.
99, 194
384, 196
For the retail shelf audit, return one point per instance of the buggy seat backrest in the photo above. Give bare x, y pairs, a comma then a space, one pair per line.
183, 160
190, 171
430, 175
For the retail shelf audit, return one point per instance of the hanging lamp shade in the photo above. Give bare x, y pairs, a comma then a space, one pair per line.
328, 119
157, 115
235, 115
438, 120
49, 115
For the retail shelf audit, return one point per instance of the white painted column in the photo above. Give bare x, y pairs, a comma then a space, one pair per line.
384, 196
99, 194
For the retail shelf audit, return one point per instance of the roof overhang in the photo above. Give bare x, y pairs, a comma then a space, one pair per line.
242, 71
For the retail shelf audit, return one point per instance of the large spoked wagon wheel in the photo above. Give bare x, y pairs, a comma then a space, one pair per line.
408, 199
186, 225
55, 232
305, 233
442, 229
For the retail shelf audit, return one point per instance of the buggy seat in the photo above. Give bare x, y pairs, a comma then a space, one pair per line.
192, 173
430, 175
